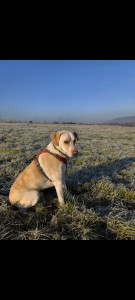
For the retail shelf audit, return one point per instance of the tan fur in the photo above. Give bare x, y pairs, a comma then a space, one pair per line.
55, 136
24, 192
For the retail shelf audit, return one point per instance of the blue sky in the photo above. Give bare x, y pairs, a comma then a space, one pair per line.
67, 90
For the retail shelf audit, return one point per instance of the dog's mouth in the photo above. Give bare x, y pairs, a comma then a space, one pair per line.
75, 152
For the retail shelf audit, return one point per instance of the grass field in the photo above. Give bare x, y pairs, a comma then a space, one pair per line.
100, 180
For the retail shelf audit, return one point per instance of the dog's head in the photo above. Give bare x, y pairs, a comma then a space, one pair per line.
65, 142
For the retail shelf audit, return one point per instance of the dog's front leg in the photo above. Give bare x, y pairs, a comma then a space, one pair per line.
59, 189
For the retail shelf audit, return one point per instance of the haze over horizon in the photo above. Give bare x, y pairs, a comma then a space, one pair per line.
91, 91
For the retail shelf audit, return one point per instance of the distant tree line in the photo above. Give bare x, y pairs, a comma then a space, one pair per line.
130, 124
38, 122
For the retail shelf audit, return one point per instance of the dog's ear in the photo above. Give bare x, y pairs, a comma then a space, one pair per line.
55, 136
76, 135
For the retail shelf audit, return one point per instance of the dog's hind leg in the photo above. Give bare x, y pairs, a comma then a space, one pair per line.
28, 200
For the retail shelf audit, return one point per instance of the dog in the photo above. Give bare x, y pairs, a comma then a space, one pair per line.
46, 170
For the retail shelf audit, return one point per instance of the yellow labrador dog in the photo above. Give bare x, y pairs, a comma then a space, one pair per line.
46, 170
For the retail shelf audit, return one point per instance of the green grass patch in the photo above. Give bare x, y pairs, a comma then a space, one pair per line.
13, 151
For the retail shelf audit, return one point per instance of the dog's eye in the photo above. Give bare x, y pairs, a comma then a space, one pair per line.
66, 142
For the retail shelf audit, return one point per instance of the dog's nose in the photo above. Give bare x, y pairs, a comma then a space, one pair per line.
75, 152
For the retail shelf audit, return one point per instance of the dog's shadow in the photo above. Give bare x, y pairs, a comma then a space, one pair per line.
109, 169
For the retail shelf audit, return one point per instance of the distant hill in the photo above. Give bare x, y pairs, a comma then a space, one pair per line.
123, 120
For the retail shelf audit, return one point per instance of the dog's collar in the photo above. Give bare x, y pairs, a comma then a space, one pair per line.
60, 158
63, 159
58, 149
